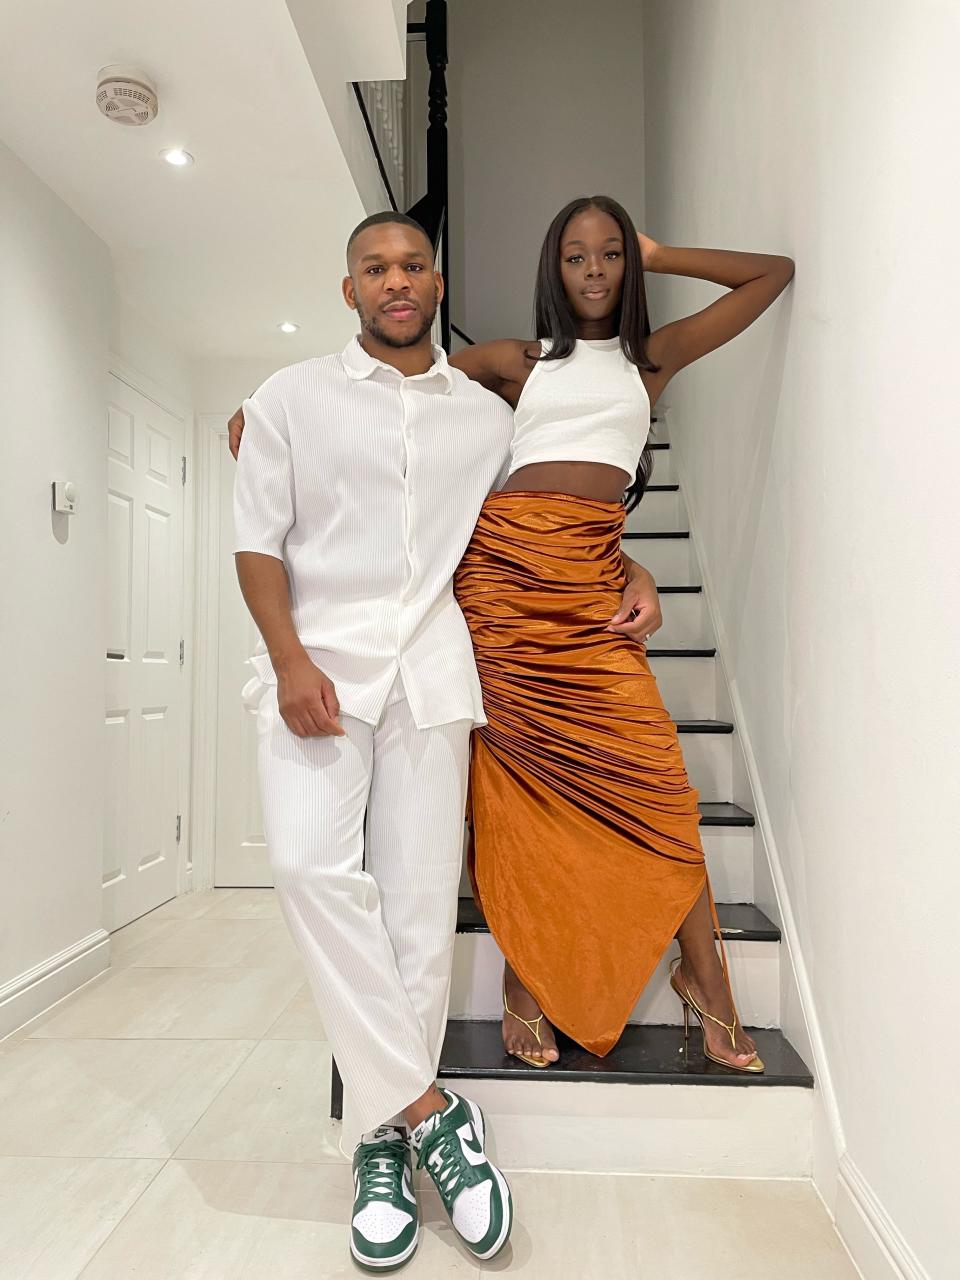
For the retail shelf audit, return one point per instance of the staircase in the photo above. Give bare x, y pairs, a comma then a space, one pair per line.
652, 1106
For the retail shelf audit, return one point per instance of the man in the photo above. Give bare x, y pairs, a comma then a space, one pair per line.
358, 486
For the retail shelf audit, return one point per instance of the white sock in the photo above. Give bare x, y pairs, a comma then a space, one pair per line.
430, 1123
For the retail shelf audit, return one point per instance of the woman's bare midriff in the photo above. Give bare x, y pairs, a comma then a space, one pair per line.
596, 480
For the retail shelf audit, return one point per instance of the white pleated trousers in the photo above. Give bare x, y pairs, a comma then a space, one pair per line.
365, 834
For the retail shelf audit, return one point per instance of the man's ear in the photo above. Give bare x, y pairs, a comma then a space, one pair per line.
441, 287
349, 292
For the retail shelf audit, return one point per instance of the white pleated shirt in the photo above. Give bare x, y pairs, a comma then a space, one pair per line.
367, 485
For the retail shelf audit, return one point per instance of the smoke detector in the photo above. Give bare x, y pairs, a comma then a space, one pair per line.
126, 95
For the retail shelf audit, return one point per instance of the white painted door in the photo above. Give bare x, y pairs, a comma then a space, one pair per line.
240, 857
145, 690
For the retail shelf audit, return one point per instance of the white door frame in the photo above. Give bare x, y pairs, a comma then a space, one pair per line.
153, 391
211, 430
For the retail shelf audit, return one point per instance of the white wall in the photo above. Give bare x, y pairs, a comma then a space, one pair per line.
147, 352
54, 319
822, 455
545, 104
220, 386
362, 40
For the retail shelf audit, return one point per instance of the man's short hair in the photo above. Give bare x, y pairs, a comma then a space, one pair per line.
389, 215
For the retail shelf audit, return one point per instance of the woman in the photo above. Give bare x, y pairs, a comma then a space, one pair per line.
587, 859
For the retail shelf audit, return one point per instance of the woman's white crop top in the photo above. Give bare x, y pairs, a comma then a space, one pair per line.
591, 406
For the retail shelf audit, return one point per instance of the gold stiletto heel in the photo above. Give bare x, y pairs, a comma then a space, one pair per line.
534, 1026
754, 1066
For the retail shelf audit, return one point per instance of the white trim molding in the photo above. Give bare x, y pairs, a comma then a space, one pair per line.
145, 386
211, 429
30, 993
869, 1233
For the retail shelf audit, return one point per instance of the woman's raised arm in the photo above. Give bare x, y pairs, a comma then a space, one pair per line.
755, 280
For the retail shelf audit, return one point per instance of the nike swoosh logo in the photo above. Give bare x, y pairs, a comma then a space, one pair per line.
470, 1145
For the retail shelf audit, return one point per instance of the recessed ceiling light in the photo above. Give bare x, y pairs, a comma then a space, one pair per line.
177, 156
288, 327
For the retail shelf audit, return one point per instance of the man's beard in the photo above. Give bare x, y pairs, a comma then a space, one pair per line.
371, 324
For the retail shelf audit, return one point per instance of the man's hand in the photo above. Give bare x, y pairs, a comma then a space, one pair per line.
308, 701
236, 431
639, 614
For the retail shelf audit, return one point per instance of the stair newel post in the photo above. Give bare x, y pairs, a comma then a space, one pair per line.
437, 144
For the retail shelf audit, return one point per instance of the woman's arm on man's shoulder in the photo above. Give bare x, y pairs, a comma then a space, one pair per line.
496, 365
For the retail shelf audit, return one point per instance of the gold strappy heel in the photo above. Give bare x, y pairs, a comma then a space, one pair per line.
534, 1026
754, 1066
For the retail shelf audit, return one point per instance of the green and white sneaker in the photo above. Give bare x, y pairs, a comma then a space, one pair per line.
473, 1190
385, 1228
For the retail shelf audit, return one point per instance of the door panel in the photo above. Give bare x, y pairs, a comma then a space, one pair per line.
144, 685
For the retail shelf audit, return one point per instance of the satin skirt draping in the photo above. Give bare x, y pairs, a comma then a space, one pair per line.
586, 855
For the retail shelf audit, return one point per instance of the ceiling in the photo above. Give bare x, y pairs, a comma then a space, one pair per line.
218, 254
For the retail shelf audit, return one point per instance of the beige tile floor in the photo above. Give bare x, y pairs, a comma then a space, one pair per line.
168, 1122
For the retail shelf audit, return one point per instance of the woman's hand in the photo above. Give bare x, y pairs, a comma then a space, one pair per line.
235, 427
648, 248
639, 614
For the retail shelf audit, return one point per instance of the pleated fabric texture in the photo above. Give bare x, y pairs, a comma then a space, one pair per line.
365, 834
586, 851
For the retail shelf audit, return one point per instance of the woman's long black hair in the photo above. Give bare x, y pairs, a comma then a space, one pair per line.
554, 318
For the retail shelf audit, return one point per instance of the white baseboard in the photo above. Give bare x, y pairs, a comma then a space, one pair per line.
35, 990
870, 1234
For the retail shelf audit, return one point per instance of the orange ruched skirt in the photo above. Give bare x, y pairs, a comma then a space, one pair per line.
586, 853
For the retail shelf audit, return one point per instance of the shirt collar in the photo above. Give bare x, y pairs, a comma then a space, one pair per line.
360, 364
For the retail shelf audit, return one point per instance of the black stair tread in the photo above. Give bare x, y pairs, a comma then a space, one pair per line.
704, 726
739, 921
746, 922
679, 591
681, 653
645, 1055
670, 533
714, 813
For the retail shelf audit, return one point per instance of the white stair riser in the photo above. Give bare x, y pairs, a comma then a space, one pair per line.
668, 559
657, 512
688, 686
709, 761
664, 470
729, 852
754, 969
587, 1127
730, 855
685, 624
